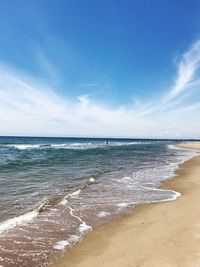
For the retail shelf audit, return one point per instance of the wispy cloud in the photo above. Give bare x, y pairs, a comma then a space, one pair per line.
47, 66
187, 74
28, 107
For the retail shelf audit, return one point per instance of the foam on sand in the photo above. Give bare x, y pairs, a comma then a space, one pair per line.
84, 228
122, 205
73, 239
102, 214
61, 245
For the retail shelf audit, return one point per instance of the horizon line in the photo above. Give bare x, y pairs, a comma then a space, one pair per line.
101, 137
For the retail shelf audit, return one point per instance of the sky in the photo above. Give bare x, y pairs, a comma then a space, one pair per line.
125, 68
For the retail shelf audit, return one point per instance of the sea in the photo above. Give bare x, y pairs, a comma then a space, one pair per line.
53, 191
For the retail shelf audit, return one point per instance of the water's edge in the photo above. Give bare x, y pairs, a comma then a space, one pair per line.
44, 234
136, 208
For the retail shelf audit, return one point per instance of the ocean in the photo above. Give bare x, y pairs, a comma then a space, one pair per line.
53, 191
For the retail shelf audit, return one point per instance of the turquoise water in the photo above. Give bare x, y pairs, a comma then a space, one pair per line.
55, 190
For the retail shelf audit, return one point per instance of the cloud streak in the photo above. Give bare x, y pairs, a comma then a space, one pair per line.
188, 69
28, 107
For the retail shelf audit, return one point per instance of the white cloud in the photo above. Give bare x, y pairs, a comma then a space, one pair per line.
187, 71
28, 107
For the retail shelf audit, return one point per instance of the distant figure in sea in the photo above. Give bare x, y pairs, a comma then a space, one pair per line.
106, 142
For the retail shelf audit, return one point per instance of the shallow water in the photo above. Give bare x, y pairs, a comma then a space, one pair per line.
55, 190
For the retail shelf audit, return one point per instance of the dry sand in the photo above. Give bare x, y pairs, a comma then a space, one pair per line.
155, 235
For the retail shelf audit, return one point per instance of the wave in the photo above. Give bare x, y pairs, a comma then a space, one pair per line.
182, 148
75, 146
21, 219
47, 204
24, 146
77, 191
174, 195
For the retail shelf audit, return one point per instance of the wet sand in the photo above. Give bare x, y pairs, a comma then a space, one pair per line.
161, 234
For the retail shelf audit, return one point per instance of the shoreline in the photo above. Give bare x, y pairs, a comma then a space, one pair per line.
157, 234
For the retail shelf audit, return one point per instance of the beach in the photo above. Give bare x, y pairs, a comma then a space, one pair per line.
159, 234
80, 202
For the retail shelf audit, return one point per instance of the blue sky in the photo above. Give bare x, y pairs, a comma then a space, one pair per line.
100, 68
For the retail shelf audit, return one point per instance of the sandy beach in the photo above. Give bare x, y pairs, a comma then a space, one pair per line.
160, 234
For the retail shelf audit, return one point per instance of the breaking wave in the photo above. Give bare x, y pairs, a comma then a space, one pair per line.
79, 146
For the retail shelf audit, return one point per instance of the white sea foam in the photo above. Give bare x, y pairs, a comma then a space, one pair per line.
73, 239
81, 145
85, 146
57, 145
136, 143
180, 148
174, 147
125, 179
102, 214
64, 201
91, 179
61, 245
122, 205
172, 198
24, 146
176, 194
10, 223
84, 228
73, 215
193, 150
75, 193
